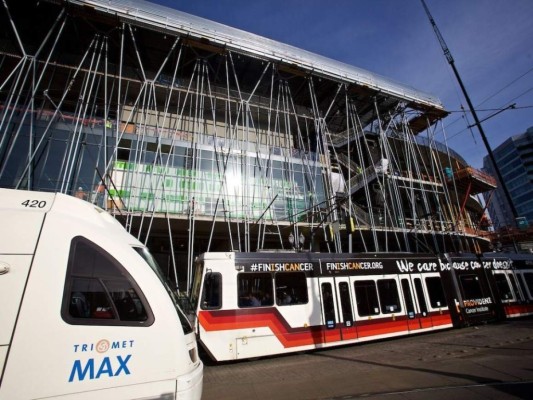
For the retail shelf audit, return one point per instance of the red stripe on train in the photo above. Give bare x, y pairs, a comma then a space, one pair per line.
293, 337
517, 310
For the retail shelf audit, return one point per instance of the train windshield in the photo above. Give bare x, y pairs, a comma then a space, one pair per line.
145, 254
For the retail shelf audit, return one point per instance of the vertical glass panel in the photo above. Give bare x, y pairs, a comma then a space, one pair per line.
328, 305
514, 285
250, 182
14, 163
435, 292
346, 303
49, 158
388, 296
408, 297
528, 277
421, 297
522, 283
503, 287
212, 291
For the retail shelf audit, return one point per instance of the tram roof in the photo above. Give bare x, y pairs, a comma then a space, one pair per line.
168, 19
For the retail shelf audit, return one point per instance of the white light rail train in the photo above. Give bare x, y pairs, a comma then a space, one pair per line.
258, 304
85, 312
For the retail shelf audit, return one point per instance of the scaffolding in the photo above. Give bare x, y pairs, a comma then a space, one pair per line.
201, 138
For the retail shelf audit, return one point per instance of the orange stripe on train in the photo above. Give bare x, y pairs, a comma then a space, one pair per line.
293, 337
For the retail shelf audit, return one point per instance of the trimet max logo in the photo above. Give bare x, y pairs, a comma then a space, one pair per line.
96, 368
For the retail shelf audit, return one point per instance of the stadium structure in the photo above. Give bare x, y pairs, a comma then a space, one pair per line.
201, 137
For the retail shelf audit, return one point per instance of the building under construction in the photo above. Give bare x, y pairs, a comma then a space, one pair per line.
200, 137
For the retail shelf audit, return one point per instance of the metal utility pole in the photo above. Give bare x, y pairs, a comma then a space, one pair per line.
472, 110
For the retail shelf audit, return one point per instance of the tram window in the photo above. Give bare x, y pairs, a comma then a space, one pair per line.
99, 290
420, 296
409, 305
503, 287
127, 303
435, 292
520, 279
88, 299
328, 305
212, 291
366, 297
346, 303
291, 288
254, 290
528, 277
471, 286
512, 278
388, 296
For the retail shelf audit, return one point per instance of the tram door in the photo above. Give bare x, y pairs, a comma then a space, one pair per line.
518, 286
421, 318
508, 286
413, 317
345, 301
337, 309
522, 285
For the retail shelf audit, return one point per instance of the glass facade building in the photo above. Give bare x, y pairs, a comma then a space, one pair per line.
515, 161
200, 137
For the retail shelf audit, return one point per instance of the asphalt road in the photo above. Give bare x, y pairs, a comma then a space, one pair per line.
485, 362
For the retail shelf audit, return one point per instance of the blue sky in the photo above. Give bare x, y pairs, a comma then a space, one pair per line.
491, 41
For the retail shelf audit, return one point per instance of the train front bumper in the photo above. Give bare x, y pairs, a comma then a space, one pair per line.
190, 385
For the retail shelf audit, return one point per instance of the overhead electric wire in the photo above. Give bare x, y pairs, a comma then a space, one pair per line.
490, 97
505, 87
493, 109
469, 126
